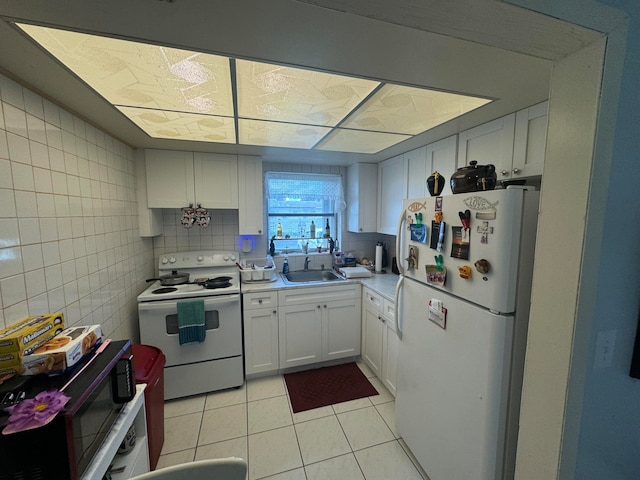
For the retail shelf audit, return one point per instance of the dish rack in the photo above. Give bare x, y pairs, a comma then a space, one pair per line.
256, 270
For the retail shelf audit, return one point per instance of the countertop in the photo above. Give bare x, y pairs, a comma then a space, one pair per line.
382, 283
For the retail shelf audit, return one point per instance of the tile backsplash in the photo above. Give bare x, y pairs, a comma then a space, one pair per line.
69, 237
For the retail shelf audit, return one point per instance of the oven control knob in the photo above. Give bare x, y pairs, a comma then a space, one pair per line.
233, 258
200, 258
172, 260
164, 260
226, 257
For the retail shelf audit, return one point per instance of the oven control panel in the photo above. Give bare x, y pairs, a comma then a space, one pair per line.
196, 259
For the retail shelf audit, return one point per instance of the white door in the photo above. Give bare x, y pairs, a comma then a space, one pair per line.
451, 403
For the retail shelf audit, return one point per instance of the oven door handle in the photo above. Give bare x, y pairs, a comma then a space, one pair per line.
208, 302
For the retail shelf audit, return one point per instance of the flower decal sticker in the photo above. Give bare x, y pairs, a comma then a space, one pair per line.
35, 412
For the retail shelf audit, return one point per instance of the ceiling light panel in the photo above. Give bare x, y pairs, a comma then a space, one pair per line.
274, 134
182, 126
359, 141
137, 74
294, 95
410, 110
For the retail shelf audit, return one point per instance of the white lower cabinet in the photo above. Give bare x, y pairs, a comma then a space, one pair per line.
260, 319
318, 324
379, 339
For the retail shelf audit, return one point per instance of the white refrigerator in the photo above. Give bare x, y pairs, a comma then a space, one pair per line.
463, 298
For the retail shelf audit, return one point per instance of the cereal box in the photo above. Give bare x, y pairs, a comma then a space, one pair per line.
28, 334
63, 351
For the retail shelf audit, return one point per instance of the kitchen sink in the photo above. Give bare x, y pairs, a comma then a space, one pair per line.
311, 276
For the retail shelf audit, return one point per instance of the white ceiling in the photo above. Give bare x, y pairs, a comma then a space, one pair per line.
481, 47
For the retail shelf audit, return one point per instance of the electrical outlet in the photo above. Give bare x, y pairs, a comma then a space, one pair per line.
605, 343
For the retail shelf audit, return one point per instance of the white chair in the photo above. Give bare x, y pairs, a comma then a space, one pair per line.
231, 468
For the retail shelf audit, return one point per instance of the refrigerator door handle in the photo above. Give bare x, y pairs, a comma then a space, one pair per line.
396, 312
399, 264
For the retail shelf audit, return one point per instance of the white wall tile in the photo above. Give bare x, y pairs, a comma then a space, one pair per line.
32, 257
46, 205
13, 290
50, 253
9, 233
36, 129
49, 229
33, 103
22, 175
25, 204
4, 145
6, 180
18, 148
35, 282
29, 231
42, 180
11, 92
11, 260
39, 154
51, 113
15, 120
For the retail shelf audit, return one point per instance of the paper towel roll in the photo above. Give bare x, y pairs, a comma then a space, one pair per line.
378, 258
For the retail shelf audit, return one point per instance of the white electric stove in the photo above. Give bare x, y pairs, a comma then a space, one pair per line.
217, 362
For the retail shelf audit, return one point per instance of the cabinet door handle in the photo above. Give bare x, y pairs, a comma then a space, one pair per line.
516, 170
260, 301
325, 306
275, 311
504, 172
318, 306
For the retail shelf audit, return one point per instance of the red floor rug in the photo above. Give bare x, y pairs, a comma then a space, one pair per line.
327, 385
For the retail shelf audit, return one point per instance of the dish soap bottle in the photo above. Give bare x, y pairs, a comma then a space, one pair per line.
279, 231
312, 230
285, 265
327, 230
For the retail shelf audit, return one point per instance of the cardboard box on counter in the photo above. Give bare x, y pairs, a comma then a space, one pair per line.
63, 351
25, 336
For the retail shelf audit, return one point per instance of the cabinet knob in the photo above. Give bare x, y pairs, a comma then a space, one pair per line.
260, 301
259, 231
504, 172
516, 170
318, 306
275, 311
325, 306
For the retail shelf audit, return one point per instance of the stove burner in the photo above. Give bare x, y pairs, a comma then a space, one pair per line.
164, 290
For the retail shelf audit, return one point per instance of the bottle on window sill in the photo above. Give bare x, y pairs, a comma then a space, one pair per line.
279, 231
312, 230
327, 230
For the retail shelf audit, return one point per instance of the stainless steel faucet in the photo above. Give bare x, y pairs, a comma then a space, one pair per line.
306, 264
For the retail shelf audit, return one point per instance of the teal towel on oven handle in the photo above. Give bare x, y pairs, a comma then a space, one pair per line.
191, 323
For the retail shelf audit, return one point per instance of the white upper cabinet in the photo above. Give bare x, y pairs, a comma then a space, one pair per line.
216, 180
250, 196
417, 172
530, 141
392, 190
169, 178
490, 142
362, 197
515, 144
175, 179
438, 157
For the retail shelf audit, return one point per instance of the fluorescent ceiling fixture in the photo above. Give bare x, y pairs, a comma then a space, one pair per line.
182, 126
184, 95
410, 110
294, 95
274, 134
360, 141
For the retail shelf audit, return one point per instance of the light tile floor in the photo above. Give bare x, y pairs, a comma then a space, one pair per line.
348, 441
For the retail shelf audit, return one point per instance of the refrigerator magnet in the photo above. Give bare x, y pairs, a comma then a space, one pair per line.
437, 313
418, 232
437, 235
412, 259
484, 230
465, 272
460, 244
